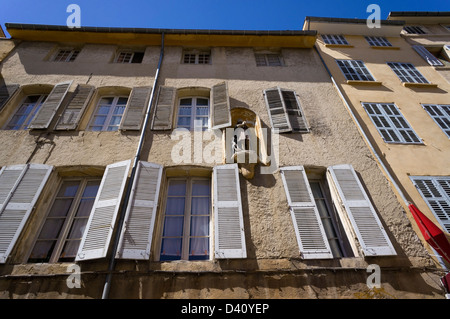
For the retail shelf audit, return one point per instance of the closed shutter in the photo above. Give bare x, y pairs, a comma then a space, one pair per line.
136, 107
228, 217
48, 109
436, 193
162, 117
352, 198
220, 106
74, 111
20, 187
311, 237
136, 236
427, 56
99, 228
6, 92
277, 110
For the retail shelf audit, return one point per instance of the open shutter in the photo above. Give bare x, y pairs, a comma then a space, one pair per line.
136, 107
20, 187
48, 109
354, 201
99, 228
228, 218
427, 56
220, 106
6, 92
295, 113
277, 110
136, 237
162, 117
74, 111
311, 237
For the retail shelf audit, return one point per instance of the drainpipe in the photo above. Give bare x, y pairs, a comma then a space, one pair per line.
112, 261
374, 152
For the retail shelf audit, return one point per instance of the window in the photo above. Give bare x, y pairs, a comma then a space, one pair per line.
109, 113
65, 55
355, 70
414, 29
186, 230
427, 55
196, 57
390, 123
407, 73
378, 41
64, 226
268, 59
129, 57
26, 112
440, 114
334, 39
192, 110
435, 190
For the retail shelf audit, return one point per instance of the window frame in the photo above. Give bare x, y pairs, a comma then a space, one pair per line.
443, 121
71, 55
110, 114
355, 75
196, 57
193, 112
400, 68
334, 39
132, 55
186, 235
414, 29
378, 41
70, 218
29, 117
263, 59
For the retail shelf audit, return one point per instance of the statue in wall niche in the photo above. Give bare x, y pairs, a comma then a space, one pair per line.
243, 152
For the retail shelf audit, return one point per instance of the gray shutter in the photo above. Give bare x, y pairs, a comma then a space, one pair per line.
48, 109
136, 107
436, 193
309, 230
136, 237
354, 201
99, 228
229, 233
427, 56
295, 113
74, 111
6, 92
277, 110
163, 115
20, 188
220, 106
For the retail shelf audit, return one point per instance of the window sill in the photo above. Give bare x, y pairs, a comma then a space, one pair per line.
420, 85
368, 83
385, 48
338, 46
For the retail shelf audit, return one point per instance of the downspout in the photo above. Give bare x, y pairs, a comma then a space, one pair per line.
374, 152
112, 261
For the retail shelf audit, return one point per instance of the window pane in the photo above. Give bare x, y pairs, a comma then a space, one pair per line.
177, 188
171, 249
202, 102
201, 188
200, 205
175, 206
52, 228
202, 111
68, 189
42, 251
70, 250
184, 111
91, 189
106, 101
173, 226
199, 249
60, 207
78, 227
199, 226
187, 101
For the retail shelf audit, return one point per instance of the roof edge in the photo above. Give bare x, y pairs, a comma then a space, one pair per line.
350, 20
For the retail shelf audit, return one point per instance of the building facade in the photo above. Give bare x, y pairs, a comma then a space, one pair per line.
142, 163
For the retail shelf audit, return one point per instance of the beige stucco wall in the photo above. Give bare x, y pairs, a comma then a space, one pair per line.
273, 268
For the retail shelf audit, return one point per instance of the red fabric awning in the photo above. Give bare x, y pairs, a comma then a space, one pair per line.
433, 234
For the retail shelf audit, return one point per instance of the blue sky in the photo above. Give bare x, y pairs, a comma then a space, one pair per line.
196, 14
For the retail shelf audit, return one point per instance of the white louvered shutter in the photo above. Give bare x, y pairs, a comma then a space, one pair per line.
20, 187
228, 217
163, 114
427, 56
6, 92
74, 111
135, 109
99, 228
277, 110
48, 109
220, 106
136, 237
311, 237
353, 199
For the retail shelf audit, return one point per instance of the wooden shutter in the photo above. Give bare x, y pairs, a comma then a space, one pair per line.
99, 228
427, 56
295, 113
229, 233
48, 109
74, 111
20, 187
311, 237
136, 107
350, 198
277, 110
220, 106
436, 193
136, 237
6, 92
162, 117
